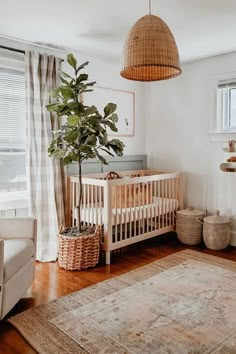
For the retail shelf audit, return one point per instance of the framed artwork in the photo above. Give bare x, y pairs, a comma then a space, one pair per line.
125, 101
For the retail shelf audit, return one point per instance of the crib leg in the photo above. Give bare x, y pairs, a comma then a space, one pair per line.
108, 258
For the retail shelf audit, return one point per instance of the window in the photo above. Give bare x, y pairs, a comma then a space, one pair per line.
12, 139
226, 99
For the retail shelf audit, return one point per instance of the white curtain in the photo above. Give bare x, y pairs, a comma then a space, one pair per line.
45, 175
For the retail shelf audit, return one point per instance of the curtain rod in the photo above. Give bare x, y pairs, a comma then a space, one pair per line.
18, 40
12, 49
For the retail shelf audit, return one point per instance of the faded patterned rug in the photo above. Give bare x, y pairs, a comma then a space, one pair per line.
183, 303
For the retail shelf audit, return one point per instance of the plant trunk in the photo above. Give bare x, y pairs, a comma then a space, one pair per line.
80, 197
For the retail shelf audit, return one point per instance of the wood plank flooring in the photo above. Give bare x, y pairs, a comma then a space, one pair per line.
52, 281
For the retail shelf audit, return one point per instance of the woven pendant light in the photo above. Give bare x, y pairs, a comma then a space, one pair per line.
150, 52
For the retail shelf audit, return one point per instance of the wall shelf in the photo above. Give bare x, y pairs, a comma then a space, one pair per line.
228, 166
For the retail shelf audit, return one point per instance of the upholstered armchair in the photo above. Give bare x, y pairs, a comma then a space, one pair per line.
17, 260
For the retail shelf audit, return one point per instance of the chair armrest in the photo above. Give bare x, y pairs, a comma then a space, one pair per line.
1, 255
1, 269
17, 227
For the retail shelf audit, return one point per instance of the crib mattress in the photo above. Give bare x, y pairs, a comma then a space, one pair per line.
160, 206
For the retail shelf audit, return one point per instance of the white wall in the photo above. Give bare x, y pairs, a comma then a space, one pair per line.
107, 74
179, 116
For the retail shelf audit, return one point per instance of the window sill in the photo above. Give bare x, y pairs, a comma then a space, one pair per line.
221, 136
13, 200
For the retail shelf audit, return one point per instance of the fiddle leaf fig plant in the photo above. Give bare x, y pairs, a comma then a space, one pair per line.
84, 135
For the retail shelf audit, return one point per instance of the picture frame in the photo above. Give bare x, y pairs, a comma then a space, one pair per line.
125, 101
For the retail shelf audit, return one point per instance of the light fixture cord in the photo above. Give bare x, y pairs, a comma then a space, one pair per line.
150, 7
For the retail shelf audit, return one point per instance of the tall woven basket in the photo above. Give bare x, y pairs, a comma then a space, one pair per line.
79, 252
216, 231
188, 228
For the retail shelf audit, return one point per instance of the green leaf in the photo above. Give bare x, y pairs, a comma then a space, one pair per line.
53, 107
91, 110
72, 136
117, 142
73, 120
85, 90
111, 125
55, 92
81, 67
91, 83
114, 118
67, 75
67, 83
91, 140
67, 92
109, 109
77, 107
85, 149
67, 160
103, 139
81, 77
58, 154
72, 61
101, 158
107, 151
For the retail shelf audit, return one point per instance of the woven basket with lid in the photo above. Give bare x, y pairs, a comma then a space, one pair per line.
216, 231
188, 228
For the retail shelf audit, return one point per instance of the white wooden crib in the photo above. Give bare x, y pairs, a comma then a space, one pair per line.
138, 206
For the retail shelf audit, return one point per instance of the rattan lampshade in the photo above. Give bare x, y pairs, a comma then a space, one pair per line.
150, 52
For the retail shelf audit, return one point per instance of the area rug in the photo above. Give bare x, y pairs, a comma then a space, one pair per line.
183, 303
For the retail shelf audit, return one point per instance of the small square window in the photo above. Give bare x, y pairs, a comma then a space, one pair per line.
226, 106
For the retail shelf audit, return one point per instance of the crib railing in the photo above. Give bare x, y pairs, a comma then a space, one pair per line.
128, 209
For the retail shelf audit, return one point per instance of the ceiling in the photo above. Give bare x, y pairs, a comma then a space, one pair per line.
98, 27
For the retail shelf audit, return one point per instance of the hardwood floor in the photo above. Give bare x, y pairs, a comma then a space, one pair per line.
52, 281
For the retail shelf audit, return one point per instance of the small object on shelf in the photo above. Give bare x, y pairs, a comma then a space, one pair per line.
228, 166
216, 231
188, 229
231, 145
231, 159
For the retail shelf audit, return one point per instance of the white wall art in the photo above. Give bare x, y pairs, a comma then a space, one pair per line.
125, 101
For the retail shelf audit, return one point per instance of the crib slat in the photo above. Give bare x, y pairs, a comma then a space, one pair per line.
139, 209
143, 209
169, 202
114, 190
145, 187
173, 203
166, 203
135, 186
88, 203
126, 211
130, 211
151, 202
93, 221
155, 204
101, 201
121, 213
159, 194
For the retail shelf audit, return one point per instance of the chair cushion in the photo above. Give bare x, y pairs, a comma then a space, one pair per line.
17, 253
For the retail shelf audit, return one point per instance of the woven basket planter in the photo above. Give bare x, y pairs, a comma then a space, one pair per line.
188, 229
216, 232
79, 252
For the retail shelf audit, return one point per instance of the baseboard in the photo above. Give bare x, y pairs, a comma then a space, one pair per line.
233, 238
